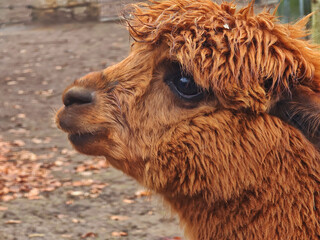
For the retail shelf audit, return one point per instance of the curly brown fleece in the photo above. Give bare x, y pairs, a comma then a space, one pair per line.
241, 162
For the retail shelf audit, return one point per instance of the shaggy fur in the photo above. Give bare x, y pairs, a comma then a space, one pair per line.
242, 161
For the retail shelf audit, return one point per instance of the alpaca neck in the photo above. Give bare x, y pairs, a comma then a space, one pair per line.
268, 212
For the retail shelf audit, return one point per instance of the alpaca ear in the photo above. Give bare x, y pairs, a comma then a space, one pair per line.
302, 110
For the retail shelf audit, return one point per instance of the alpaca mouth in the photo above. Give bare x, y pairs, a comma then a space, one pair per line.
83, 138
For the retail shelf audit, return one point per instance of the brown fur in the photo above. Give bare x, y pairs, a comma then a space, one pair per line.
242, 163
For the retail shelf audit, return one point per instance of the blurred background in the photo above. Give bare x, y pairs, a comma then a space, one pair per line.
47, 190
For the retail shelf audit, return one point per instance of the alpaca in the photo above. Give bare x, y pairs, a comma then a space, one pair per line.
215, 109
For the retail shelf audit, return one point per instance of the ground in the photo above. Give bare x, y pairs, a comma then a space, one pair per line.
48, 191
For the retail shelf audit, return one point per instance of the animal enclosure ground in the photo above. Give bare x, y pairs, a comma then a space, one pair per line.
48, 191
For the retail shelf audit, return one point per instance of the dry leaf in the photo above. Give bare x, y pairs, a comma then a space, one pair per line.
13, 222
33, 194
69, 202
99, 185
3, 208
18, 143
129, 201
66, 236
89, 234
85, 174
119, 234
29, 70
34, 235
47, 140
11, 83
21, 78
68, 152
81, 168
76, 193
61, 216
19, 131
7, 198
119, 218
74, 220
58, 163
21, 115
84, 182
36, 140
24, 156
23, 176
45, 93
142, 193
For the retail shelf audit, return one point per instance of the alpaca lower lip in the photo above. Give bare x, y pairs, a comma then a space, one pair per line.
81, 139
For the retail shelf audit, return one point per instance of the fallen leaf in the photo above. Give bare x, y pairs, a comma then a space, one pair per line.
119, 234
85, 174
142, 193
36, 140
129, 201
47, 140
119, 218
47, 156
61, 216
68, 152
3, 208
76, 193
29, 70
66, 235
33, 194
21, 175
84, 182
89, 234
21, 78
69, 202
13, 222
49, 189
99, 185
81, 168
21, 115
58, 163
95, 195
74, 220
18, 131
7, 198
34, 235
45, 93
18, 143
24, 156
11, 83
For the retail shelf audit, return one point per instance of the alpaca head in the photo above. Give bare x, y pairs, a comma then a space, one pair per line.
198, 75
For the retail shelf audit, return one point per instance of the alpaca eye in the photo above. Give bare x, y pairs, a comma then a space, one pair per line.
186, 86
182, 84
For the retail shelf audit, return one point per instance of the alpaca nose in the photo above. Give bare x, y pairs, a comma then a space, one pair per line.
77, 95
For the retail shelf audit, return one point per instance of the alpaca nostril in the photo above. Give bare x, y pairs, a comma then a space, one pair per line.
77, 95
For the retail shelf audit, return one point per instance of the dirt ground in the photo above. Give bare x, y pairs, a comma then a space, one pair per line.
88, 200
